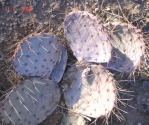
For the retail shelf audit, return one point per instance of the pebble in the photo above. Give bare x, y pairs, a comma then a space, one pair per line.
146, 84
147, 13
34, 3
71, 3
86, 3
67, 4
144, 76
96, 10
139, 123
147, 109
72, 119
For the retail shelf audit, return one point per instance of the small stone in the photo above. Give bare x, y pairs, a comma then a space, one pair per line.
145, 84
68, 4
34, 3
147, 109
96, 10
86, 3
107, 8
46, 23
73, 119
71, 3
147, 13
144, 76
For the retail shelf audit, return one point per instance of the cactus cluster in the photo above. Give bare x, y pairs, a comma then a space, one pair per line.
91, 89
37, 55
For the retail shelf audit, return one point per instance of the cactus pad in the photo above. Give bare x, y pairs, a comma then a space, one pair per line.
59, 68
128, 48
92, 90
30, 103
37, 54
86, 37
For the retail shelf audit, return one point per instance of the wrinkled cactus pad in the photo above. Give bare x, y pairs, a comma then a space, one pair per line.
92, 90
30, 103
86, 37
37, 54
59, 68
128, 47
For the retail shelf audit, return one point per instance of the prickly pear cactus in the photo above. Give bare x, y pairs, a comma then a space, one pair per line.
59, 68
92, 90
128, 47
37, 55
30, 103
86, 37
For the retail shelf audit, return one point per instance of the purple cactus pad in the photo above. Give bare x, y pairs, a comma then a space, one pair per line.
87, 38
37, 54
